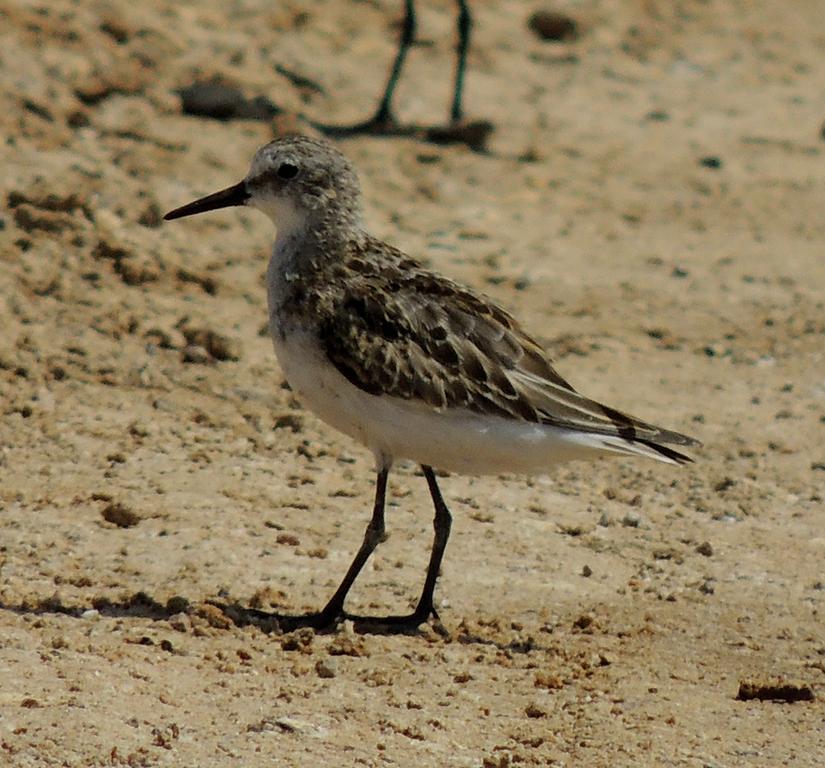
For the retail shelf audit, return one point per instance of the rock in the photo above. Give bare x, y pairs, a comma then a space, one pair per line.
121, 515
222, 101
193, 353
553, 26
705, 549
325, 668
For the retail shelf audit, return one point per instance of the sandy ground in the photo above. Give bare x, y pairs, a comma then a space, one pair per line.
650, 206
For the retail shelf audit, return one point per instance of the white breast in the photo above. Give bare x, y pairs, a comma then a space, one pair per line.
454, 440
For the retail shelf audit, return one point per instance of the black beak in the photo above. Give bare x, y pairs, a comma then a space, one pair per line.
235, 195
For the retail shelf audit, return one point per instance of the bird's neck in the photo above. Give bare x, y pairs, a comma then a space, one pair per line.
304, 230
304, 249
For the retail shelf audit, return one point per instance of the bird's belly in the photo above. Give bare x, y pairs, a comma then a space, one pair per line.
393, 428
320, 386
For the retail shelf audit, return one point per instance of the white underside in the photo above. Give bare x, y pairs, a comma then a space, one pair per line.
452, 440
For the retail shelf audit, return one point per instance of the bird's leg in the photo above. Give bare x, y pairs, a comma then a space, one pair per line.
373, 536
473, 133
442, 521
465, 23
383, 115
383, 121
425, 607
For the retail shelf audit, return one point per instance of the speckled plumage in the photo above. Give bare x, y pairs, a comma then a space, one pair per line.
394, 328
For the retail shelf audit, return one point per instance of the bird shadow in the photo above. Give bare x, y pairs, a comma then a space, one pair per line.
220, 101
140, 605
283, 623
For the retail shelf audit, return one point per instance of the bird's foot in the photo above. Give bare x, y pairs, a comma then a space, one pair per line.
391, 625
380, 124
472, 133
279, 622
329, 619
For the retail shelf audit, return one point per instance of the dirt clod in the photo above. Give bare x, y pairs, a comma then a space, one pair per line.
553, 26
705, 548
774, 691
120, 515
535, 711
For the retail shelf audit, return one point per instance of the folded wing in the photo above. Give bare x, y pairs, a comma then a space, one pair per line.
414, 335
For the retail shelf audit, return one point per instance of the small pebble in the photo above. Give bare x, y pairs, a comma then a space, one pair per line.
705, 549
221, 101
553, 26
180, 622
325, 669
631, 520
120, 515
177, 604
711, 162
192, 353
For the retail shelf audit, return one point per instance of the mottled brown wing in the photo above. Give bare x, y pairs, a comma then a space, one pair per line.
421, 337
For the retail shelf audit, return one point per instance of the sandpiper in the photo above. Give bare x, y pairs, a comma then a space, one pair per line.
405, 361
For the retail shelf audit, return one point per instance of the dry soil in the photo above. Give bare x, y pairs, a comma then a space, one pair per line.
650, 205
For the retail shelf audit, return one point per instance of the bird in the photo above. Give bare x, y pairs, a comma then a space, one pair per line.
405, 361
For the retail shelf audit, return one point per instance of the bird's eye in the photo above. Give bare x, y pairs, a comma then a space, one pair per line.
287, 171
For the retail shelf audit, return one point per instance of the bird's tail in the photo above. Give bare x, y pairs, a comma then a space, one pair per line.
641, 447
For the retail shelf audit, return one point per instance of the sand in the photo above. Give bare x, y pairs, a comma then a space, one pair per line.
650, 205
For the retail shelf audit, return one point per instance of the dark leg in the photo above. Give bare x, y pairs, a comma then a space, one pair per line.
383, 121
384, 114
442, 521
373, 536
465, 23
476, 132
425, 608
